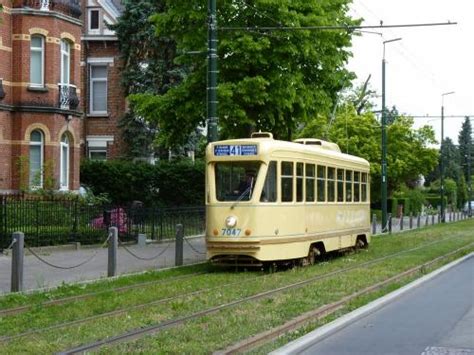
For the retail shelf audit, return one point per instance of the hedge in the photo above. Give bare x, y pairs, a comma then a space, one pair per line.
176, 183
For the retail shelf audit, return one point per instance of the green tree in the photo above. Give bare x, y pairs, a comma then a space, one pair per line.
466, 148
408, 152
272, 81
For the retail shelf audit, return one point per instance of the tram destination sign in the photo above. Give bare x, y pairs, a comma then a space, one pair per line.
235, 150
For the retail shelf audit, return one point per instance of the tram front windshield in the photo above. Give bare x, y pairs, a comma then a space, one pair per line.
235, 181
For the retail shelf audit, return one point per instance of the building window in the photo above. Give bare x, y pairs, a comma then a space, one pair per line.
98, 154
65, 62
98, 89
94, 25
64, 158
37, 61
36, 159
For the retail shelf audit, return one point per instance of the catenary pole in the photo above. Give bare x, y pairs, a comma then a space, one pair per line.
384, 182
441, 165
212, 72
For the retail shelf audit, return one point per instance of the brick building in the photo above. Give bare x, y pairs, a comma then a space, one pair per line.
60, 96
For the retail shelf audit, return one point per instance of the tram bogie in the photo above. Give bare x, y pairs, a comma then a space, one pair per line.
274, 201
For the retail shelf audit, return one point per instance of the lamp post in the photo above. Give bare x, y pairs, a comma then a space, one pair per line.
443, 220
384, 142
212, 72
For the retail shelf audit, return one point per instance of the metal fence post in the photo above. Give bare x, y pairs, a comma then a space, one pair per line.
418, 220
112, 258
401, 221
390, 223
374, 224
179, 245
17, 261
411, 220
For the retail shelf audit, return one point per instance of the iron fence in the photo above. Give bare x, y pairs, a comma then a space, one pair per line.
49, 220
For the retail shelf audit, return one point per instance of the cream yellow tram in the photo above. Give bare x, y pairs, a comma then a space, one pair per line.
269, 200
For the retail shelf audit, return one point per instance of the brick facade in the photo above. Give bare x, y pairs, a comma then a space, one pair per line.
51, 106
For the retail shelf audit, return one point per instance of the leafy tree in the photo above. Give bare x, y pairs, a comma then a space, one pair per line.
148, 67
466, 148
272, 81
408, 154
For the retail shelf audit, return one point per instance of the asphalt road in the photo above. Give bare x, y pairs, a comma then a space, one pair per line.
437, 317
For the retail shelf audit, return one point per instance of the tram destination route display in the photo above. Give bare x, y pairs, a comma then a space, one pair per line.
235, 150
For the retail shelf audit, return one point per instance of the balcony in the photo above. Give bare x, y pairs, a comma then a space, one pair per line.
68, 7
68, 99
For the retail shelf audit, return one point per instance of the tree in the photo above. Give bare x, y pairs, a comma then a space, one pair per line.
272, 81
466, 148
408, 152
148, 67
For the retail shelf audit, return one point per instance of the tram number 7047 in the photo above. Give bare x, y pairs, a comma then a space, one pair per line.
231, 232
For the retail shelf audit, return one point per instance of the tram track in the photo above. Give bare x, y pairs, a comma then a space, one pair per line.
65, 300
154, 328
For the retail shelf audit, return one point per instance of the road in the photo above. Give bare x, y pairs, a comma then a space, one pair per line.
434, 318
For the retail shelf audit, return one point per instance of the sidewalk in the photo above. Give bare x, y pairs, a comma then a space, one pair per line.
37, 274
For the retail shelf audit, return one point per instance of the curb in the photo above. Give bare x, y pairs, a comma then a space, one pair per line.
299, 345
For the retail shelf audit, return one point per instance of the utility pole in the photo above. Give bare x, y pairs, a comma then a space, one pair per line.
384, 143
212, 72
469, 183
443, 220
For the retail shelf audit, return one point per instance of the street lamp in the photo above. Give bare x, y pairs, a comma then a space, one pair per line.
384, 142
443, 220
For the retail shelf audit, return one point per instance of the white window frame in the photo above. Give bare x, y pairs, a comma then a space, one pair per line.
65, 53
89, 21
37, 49
91, 91
41, 145
97, 150
64, 183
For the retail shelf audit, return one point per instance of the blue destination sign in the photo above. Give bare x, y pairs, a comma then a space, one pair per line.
235, 150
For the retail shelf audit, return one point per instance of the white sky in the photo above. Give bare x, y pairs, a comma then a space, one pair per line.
427, 62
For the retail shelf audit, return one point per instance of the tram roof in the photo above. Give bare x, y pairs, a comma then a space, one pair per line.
270, 145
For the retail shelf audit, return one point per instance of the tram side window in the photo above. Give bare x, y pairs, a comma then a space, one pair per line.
269, 192
348, 186
310, 177
331, 184
363, 187
321, 183
299, 182
286, 181
340, 185
356, 186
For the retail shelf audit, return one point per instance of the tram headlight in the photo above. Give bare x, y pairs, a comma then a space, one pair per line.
231, 221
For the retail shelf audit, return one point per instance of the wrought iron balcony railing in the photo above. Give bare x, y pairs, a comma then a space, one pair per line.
68, 7
68, 99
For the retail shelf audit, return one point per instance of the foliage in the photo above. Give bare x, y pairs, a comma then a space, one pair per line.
170, 184
408, 152
450, 189
466, 148
22, 165
272, 81
148, 67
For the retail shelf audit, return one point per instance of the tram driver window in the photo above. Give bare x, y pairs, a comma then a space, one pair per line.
348, 186
235, 181
286, 181
269, 192
321, 183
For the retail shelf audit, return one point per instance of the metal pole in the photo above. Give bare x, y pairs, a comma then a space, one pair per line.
469, 183
212, 73
17, 262
384, 151
112, 259
441, 166
374, 224
179, 245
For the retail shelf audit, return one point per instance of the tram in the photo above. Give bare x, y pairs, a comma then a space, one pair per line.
270, 201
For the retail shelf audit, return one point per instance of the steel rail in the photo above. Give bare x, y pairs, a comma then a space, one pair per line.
140, 332
321, 312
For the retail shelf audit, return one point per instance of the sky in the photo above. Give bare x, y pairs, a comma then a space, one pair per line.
426, 63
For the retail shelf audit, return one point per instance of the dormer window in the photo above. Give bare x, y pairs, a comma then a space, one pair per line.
94, 22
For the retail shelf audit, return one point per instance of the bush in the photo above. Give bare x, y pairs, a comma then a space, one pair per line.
177, 183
